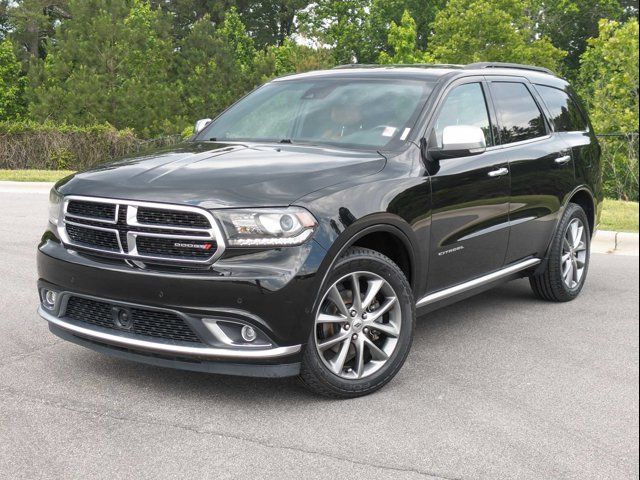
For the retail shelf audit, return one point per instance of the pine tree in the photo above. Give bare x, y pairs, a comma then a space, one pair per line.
110, 63
12, 83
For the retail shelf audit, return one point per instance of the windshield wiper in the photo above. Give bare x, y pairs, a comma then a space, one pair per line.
286, 140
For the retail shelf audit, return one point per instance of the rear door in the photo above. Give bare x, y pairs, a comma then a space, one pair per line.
470, 195
540, 163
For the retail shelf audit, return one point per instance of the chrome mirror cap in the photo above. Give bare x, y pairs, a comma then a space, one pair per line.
201, 124
463, 137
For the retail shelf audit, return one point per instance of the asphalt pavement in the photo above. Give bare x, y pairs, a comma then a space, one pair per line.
500, 386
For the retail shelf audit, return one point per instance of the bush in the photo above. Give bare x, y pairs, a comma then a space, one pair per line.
30, 145
620, 165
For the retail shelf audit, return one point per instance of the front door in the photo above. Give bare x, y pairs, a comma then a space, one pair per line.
470, 195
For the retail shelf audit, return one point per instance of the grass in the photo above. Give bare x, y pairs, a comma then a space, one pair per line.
33, 175
619, 216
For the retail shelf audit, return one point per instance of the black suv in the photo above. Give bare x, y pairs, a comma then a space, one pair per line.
302, 230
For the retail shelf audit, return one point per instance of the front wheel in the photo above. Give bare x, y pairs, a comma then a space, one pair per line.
568, 261
363, 327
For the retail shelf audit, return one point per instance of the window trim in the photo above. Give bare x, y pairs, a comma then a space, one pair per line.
542, 108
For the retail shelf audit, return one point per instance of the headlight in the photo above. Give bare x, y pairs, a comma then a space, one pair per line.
55, 199
266, 227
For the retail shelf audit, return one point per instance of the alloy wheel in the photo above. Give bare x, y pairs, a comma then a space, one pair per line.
357, 325
574, 253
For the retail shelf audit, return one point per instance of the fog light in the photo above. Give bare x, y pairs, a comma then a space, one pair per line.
50, 298
248, 334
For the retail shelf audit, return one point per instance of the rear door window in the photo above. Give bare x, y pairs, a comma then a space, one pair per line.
565, 114
519, 116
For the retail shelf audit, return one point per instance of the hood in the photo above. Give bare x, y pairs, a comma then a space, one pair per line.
214, 175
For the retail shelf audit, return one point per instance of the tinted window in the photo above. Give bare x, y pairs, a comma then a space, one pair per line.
520, 117
565, 115
465, 105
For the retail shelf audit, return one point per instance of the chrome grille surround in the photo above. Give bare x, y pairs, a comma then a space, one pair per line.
135, 229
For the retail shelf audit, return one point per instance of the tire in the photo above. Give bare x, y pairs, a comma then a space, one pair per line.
552, 284
356, 365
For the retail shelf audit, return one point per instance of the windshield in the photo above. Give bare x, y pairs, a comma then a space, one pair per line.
344, 112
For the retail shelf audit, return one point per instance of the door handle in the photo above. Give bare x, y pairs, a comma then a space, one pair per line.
562, 160
499, 172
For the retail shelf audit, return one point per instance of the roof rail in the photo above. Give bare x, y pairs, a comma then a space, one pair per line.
397, 65
508, 65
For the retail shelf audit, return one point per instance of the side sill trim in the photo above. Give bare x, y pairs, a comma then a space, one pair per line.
451, 291
178, 350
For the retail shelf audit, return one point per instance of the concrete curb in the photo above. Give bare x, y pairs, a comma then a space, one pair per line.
617, 243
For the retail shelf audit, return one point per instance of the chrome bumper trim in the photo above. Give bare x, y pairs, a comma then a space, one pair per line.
178, 350
449, 292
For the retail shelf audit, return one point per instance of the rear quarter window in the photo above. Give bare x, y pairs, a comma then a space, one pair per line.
565, 114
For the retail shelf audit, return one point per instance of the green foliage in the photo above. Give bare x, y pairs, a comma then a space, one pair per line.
4, 19
12, 84
110, 64
402, 40
33, 24
570, 23
217, 66
343, 26
467, 31
609, 77
609, 83
385, 12
291, 57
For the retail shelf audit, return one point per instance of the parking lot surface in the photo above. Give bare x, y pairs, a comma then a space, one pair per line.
499, 386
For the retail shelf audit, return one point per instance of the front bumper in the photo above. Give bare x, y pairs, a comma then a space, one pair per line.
272, 292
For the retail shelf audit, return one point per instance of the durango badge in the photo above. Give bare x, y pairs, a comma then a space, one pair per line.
199, 246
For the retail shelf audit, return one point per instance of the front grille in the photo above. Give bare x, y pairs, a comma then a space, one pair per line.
93, 238
154, 216
140, 231
103, 211
148, 323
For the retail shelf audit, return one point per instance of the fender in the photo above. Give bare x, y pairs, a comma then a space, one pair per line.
377, 222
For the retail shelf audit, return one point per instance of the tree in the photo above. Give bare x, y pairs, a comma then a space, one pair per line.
111, 63
291, 57
341, 25
217, 66
270, 22
468, 31
609, 83
402, 39
34, 23
384, 12
4, 19
12, 83
570, 23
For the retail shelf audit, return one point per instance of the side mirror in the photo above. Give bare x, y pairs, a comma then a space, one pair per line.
201, 124
459, 141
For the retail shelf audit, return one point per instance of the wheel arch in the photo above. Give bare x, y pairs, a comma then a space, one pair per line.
583, 197
385, 233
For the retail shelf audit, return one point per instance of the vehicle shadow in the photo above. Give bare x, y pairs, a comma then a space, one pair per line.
247, 391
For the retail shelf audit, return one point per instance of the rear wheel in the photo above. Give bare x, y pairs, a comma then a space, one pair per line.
363, 327
568, 261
